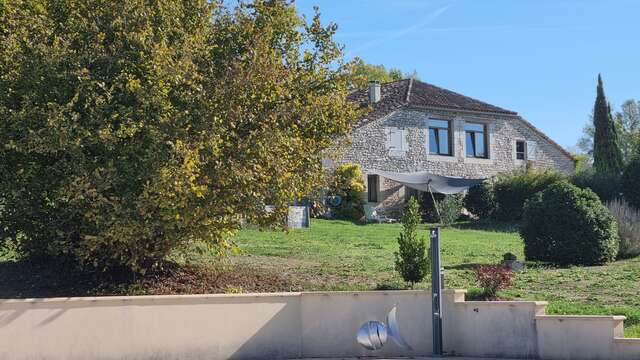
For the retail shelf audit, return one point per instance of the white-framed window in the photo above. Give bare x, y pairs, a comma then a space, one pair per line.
440, 137
476, 137
521, 150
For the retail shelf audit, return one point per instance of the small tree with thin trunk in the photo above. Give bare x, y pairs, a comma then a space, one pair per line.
412, 260
607, 156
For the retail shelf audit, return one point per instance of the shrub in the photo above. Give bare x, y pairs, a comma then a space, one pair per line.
630, 186
512, 191
348, 183
492, 278
450, 208
412, 260
628, 227
428, 208
480, 200
131, 128
568, 225
606, 185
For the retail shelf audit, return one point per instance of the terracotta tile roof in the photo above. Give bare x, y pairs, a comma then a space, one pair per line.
423, 94
393, 95
415, 93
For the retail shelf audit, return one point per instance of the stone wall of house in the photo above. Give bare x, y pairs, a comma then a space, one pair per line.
368, 147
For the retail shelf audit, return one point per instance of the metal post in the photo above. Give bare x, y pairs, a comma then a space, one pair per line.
436, 291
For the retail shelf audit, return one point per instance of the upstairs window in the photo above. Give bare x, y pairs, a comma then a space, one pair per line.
372, 188
476, 138
440, 137
521, 152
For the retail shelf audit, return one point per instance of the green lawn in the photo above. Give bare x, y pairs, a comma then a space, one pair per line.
338, 255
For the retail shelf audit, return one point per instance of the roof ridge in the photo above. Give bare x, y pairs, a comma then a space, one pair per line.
409, 90
392, 82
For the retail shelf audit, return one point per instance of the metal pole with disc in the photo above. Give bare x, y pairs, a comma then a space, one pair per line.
436, 291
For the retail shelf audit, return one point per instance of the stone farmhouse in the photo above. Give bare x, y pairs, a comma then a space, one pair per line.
414, 126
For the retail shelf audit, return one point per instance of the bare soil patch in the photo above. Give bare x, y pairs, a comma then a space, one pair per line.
30, 279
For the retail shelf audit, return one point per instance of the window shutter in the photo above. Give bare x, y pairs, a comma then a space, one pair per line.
403, 139
392, 140
395, 139
532, 148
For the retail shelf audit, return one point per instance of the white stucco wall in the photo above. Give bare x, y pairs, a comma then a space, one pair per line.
152, 327
294, 325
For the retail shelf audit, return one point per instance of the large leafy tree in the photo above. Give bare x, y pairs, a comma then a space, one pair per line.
607, 156
364, 72
628, 120
131, 128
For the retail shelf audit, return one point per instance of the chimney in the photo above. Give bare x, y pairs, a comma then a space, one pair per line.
374, 92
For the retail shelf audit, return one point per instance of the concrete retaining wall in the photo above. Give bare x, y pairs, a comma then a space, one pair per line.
294, 325
585, 338
152, 327
491, 328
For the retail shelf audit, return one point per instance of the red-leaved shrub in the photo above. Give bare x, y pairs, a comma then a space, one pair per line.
492, 278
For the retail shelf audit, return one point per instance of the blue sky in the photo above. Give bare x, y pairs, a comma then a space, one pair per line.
539, 58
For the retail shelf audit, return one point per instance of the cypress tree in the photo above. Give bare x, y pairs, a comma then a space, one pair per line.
607, 156
412, 258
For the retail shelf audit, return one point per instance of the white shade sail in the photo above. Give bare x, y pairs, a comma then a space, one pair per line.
425, 181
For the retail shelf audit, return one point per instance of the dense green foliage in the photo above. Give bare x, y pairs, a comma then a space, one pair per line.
607, 185
480, 200
450, 208
630, 182
628, 219
412, 259
512, 190
568, 225
627, 120
132, 128
607, 155
363, 73
367, 72
428, 206
348, 184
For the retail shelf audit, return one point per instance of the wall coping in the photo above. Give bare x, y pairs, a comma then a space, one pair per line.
210, 296
455, 291
356, 293
501, 303
582, 317
629, 341
144, 298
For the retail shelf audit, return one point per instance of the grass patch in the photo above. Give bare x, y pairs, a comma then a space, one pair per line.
336, 255
340, 255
